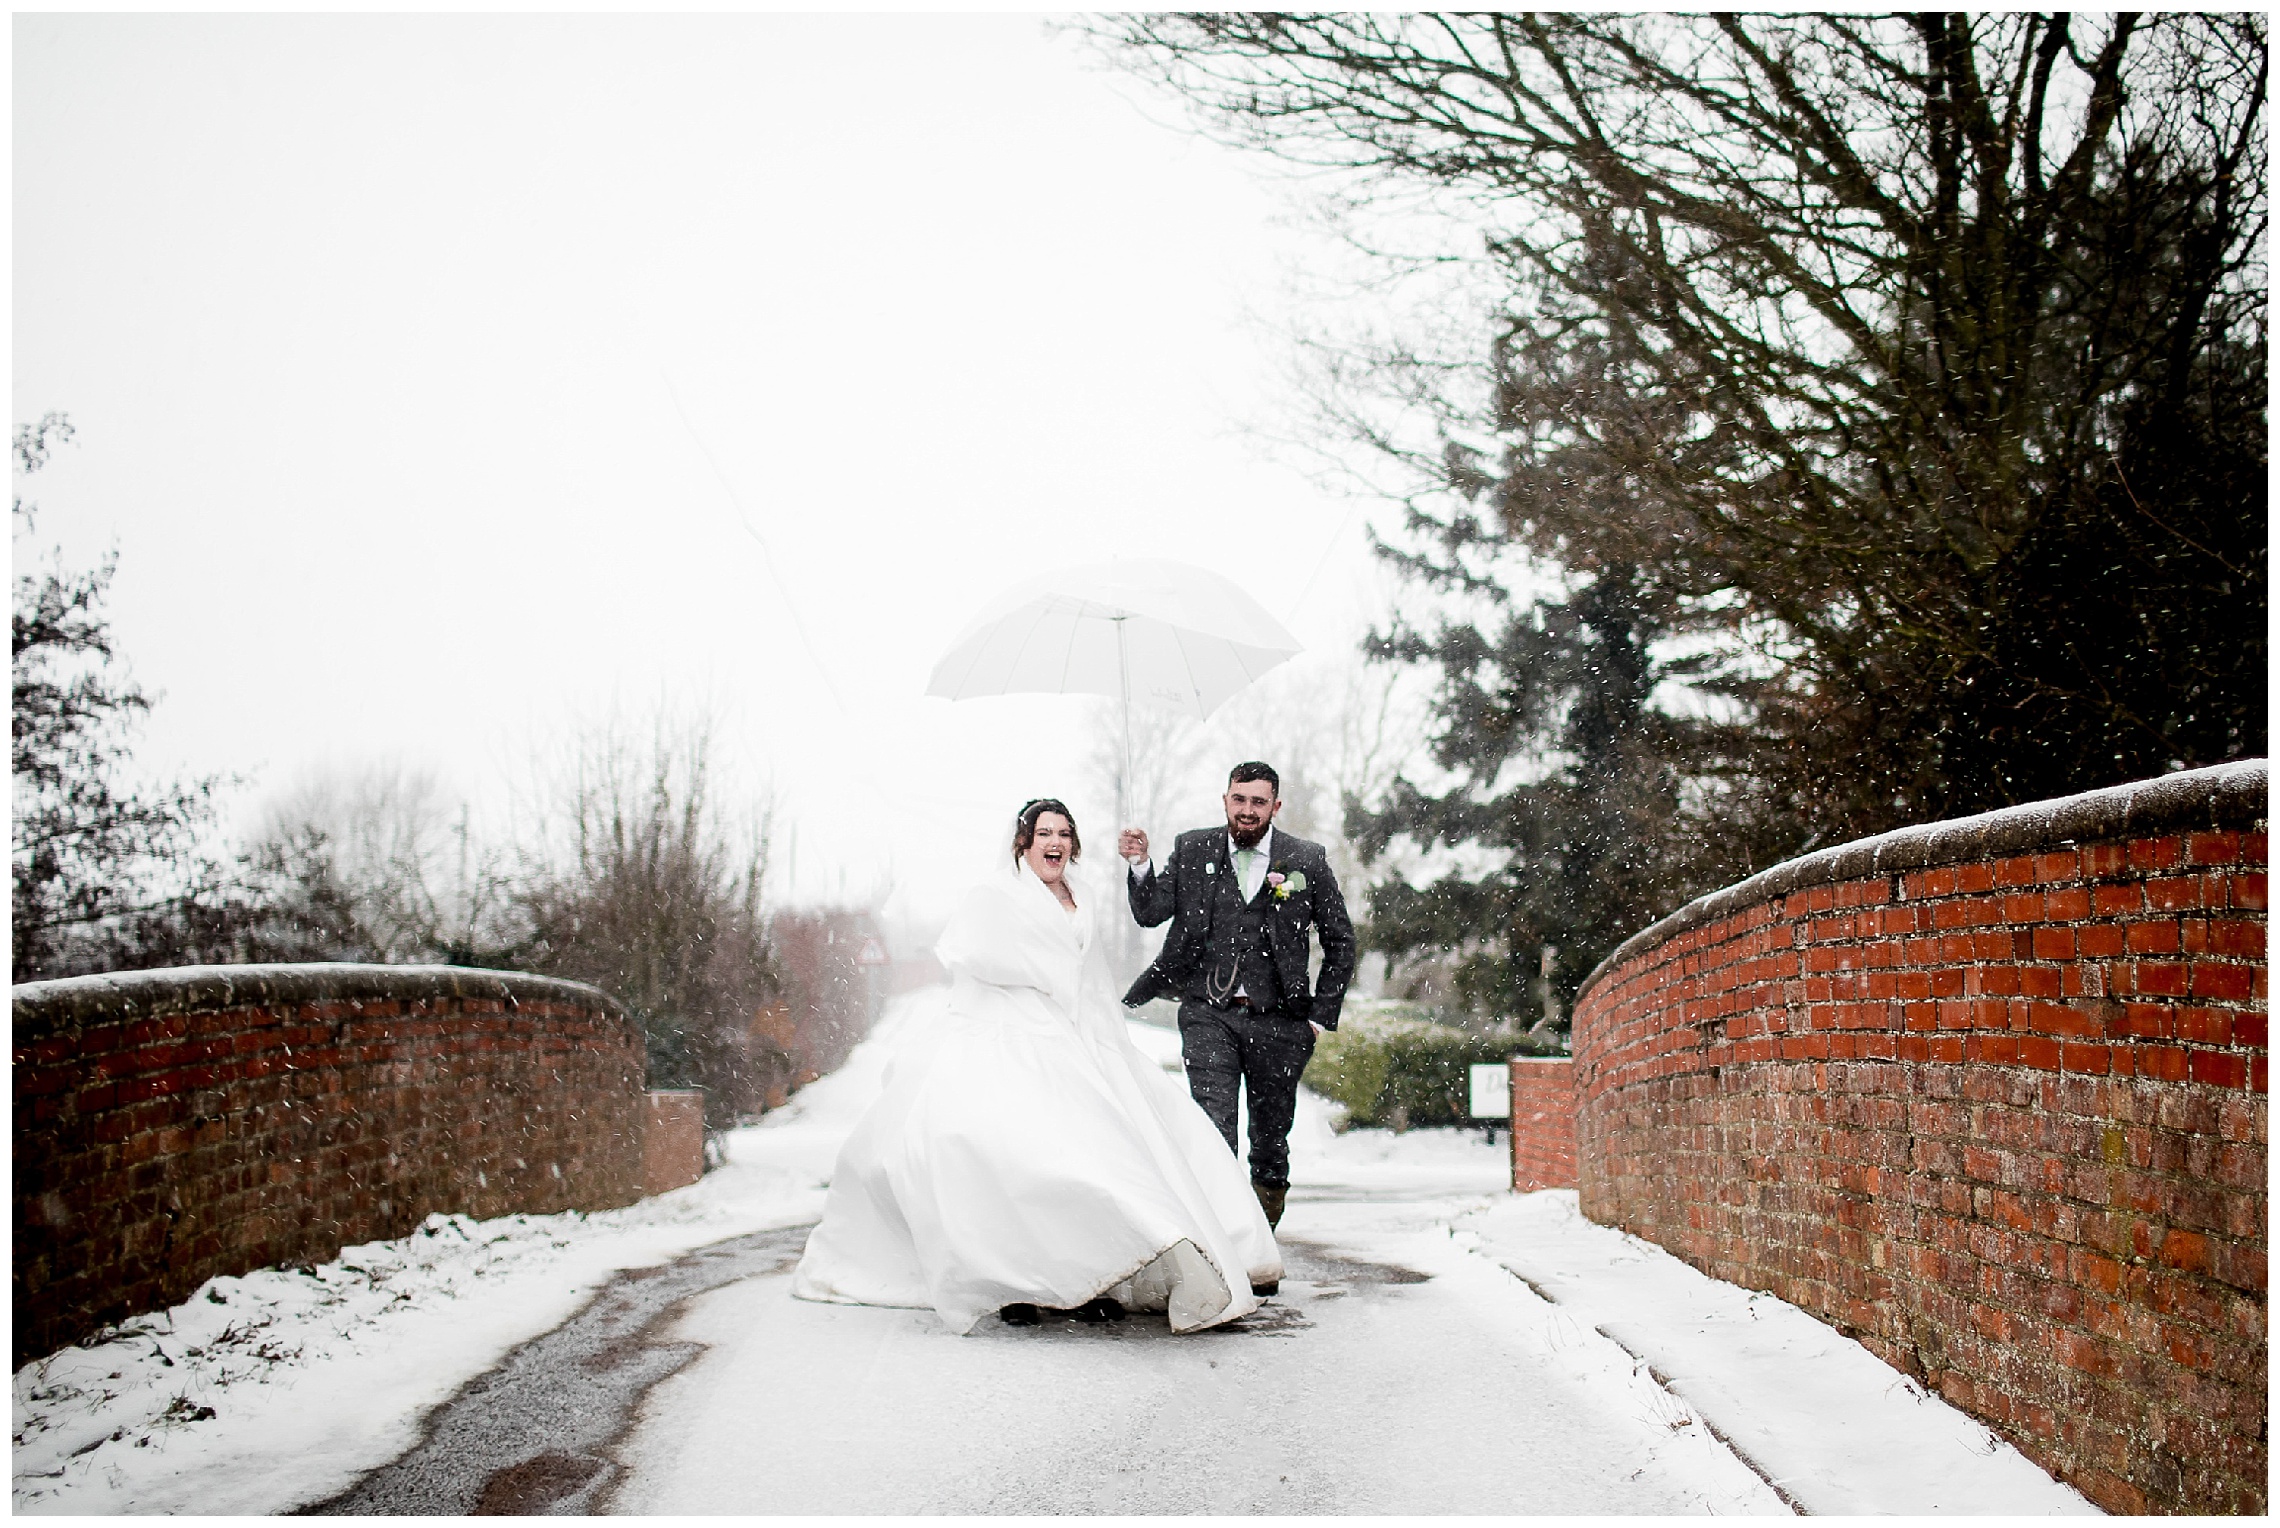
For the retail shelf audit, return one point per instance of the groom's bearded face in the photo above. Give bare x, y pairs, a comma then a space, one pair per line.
1251, 805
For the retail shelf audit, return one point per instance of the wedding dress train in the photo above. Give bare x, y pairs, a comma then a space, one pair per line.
1022, 1150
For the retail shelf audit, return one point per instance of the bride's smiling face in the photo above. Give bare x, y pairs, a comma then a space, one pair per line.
1051, 848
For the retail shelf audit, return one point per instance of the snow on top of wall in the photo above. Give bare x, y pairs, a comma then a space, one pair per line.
72, 1000
2233, 795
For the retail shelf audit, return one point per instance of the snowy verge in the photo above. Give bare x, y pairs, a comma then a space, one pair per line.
1829, 1424
267, 1392
1430, 1164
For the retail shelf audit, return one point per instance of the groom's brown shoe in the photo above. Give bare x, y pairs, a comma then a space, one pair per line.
1264, 1288
1271, 1197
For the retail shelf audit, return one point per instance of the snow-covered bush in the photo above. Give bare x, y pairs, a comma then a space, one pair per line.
1391, 1066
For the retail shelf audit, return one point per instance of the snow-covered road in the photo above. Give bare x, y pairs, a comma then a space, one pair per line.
1369, 1387
1441, 1346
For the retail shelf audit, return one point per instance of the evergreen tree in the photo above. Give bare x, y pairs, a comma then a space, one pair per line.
1565, 770
92, 854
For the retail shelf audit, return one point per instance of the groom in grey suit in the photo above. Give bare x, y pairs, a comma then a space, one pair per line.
1243, 900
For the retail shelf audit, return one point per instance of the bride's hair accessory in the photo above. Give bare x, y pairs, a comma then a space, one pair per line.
1025, 827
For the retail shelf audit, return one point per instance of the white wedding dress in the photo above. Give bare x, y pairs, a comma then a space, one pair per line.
1023, 1150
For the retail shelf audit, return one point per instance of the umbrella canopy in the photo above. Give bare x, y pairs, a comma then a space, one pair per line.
1163, 631
1156, 630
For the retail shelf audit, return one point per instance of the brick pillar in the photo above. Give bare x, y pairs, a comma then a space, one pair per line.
673, 1140
1543, 1123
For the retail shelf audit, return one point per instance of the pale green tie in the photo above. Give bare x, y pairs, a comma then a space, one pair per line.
1243, 858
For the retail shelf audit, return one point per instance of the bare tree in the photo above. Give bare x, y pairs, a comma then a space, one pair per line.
418, 881
1855, 332
1881, 398
648, 886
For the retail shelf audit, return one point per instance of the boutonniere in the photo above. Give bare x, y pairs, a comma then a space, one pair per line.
1284, 885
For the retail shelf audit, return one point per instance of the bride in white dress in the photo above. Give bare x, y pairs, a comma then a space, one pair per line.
1023, 1154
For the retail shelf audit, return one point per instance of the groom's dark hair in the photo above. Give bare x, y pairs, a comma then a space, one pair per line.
1256, 771
1025, 828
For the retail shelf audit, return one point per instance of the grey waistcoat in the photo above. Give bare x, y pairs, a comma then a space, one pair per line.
1235, 951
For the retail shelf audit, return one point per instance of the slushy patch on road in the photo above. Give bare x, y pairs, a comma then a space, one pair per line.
534, 1434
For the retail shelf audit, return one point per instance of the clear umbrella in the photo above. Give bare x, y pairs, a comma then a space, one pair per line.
1166, 631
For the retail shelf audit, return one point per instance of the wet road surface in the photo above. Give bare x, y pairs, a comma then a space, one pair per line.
1367, 1386
534, 1434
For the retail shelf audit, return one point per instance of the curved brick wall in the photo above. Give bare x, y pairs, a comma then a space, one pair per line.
1989, 1096
174, 1125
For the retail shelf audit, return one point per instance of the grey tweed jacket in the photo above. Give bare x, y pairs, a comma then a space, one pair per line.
1308, 902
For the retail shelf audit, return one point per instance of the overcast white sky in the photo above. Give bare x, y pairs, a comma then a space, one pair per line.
373, 330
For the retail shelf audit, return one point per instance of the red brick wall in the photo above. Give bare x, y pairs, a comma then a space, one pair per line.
175, 1125
1991, 1097
1543, 1123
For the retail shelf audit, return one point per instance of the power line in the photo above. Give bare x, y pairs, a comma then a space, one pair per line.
767, 557
1319, 564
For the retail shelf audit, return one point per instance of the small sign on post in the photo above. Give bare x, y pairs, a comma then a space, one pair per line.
873, 953
1492, 1091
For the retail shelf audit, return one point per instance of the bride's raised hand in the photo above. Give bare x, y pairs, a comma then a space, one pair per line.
1132, 844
